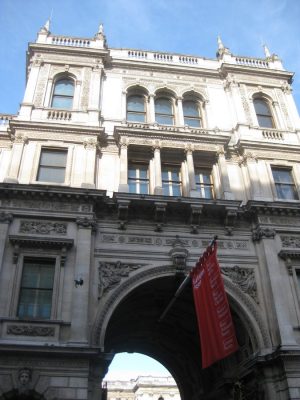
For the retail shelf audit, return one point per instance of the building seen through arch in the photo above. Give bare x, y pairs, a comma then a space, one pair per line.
118, 170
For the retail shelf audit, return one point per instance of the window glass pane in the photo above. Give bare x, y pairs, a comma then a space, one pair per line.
48, 174
36, 288
135, 117
163, 106
176, 189
132, 187
195, 122
64, 87
135, 103
64, 103
132, 173
265, 122
282, 175
164, 120
144, 188
53, 158
190, 109
261, 107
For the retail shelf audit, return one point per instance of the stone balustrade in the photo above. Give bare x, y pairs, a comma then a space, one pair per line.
69, 41
252, 62
5, 118
272, 134
61, 115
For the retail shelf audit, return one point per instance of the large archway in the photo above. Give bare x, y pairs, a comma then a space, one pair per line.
133, 326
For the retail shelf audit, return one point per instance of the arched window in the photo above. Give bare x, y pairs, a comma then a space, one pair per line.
263, 113
136, 108
63, 94
191, 113
164, 111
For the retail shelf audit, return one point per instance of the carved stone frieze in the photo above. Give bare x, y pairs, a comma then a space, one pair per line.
30, 330
44, 228
290, 241
165, 241
90, 143
110, 274
262, 233
244, 278
41, 205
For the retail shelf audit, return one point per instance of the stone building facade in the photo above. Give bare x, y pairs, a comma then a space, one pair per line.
118, 170
143, 388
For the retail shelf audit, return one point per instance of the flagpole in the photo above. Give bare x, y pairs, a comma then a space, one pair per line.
182, 286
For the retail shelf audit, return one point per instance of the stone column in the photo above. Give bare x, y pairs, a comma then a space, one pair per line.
124, 105
123, 186
5, 220
180, 116
32, 81
275, 280
157, 171
225, 184
191, 173
281, 123
90, 146
151, 109
16, 158
80, 296
94, 97
77, 93
49, 86
253, 172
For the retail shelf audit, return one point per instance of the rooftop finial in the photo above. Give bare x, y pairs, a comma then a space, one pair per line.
101, 29
47, 25
220, 43
266, 51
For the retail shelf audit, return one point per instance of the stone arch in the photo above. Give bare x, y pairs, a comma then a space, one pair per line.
242, 303
196, 94
136, 87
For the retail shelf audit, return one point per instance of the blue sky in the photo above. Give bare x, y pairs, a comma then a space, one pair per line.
182, 26
131, 365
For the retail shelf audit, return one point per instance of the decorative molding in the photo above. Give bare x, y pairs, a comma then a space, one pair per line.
288, 255
290, 241
244, 278
6, 218
262, 233
90, 143
43, 228
179, 255
110, 274
30, 330
85, 222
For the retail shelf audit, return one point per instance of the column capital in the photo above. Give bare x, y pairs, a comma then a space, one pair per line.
90, 143
262, 233
87, 223
6, 218
189, 148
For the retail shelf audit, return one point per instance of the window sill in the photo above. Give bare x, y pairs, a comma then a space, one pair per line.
35, 321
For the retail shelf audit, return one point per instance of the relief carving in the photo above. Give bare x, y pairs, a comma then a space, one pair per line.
110, 274
30, 330
290, 241
41, 86
244, 278
43, 228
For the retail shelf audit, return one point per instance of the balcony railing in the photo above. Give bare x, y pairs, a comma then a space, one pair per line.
60, 115
252, 62
272, 134
5, 118
69, 41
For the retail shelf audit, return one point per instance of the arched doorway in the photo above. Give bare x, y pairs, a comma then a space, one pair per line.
133, 326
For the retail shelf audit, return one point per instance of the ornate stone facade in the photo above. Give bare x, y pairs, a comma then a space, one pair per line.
105, 208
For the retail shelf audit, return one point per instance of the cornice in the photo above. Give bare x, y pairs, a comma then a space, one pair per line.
50, 193
145, 132
68, 50
260, 148
40, 242
255, 71
275, 208
54, 128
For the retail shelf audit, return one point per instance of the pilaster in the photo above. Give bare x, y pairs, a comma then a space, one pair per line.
157, 171
16, 158
123, 186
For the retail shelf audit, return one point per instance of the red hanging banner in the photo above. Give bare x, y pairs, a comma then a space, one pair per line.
215, 324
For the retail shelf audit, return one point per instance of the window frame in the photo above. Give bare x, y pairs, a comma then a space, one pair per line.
171, 115
270, 116
55, 289
201, 186
38, 165
170, 182
137, 180
63, 96
132, 112
294, 184
193, 118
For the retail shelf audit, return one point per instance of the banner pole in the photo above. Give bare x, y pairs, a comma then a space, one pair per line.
182, 286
